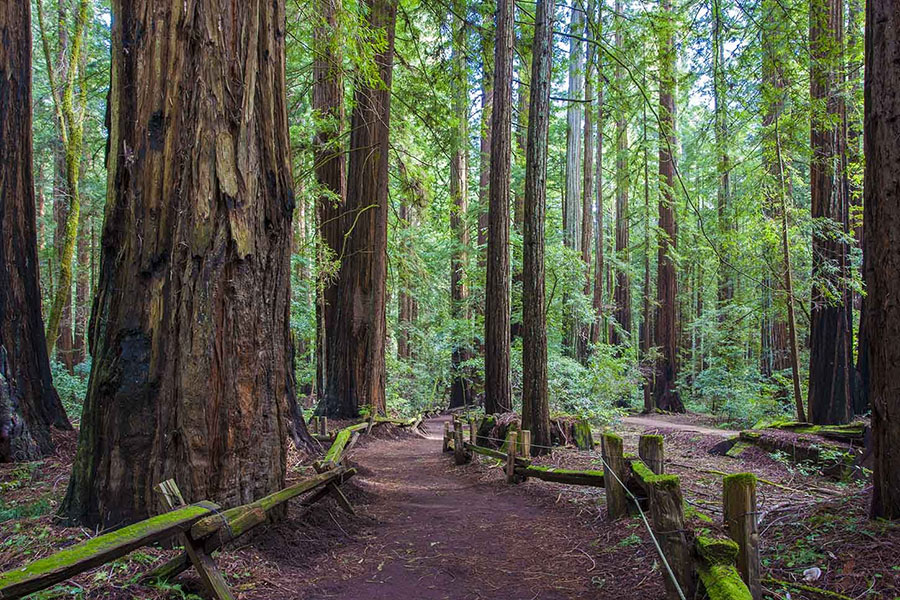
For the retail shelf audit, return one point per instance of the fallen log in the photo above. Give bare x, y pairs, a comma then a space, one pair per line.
76, 559
717, 573
589, 478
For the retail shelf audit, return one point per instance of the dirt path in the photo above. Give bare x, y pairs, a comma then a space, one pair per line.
660, 422
442, 531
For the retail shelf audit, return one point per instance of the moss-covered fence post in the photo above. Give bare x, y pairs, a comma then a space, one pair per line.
667, 514
614, 473
511, 447
739, 499
650, 449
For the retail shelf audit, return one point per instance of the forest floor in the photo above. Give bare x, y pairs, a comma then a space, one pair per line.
428, 529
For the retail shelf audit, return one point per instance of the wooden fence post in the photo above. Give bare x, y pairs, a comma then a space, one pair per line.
460, 454
511, 457
323, 424
446, 446
739, 499
472, 431
667, 513
650, 449
614, 473
525, 443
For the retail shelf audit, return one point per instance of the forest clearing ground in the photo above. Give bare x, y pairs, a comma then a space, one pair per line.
428, 529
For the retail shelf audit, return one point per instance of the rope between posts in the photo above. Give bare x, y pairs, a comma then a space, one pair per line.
643, 517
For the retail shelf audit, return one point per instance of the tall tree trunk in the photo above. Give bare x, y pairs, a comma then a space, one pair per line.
331, 175
572, 205
725, 291
29, 405
621, 330
882, 222
404, 297
855, 164
598, 326
583, 330
666, 394
192, 375
461, 386
535, 402
69, 102
485, 142
356, 367
498, 395
831, 327
646, 326
82, 291
776, 354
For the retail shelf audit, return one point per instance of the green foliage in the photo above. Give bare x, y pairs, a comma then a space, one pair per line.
71, 388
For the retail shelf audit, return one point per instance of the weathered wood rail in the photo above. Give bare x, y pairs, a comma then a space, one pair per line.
726, 569
202, 527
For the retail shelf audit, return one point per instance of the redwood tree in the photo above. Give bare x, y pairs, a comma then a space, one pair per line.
192, 375
882, 224
831, 326
356, 368
29, 404
498, 395
535, 402
666, 394
622, 290
330, 170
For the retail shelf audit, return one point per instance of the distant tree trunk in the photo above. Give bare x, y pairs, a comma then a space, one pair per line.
356, 367
831, 327
855, 163
29, 405
775, 352
725, 291
535, 402
82, 292
331, 174
461, 386
405, 300
598, 327
498, 395
191, 375
70, 116
621, 331
583, 330
572, 220
487, 104
666, 394
523, 93
882, 222
64, 338
646, 326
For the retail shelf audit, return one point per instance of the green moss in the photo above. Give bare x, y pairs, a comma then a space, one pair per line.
738, 449
112, 545
653, 436
751, 435
584, 440
741, 479
592, 473
649, 478
723, 583
692, 512
717, 551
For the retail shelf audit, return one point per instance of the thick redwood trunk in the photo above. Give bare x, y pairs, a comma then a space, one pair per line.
486, 124
356, 368
82, 291
831, 327
666, 394
28, 403
498, 395
882, 226
331, 174
535, 402
191, 376
583, 330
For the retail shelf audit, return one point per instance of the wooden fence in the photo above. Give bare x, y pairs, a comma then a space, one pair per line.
202, 528
727, 569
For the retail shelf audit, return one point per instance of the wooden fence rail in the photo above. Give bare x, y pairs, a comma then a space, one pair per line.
202, 527
727, 569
